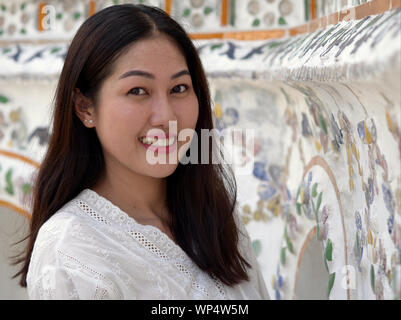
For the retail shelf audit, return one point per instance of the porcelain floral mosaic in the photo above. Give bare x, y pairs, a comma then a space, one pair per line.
327, 154
60, 19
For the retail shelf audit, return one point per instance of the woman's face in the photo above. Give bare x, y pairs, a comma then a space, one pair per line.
150, 88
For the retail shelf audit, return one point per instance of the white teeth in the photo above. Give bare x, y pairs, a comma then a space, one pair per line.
148, 140
158, 142
164, 142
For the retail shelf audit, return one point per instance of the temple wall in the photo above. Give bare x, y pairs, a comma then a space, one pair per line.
326, 162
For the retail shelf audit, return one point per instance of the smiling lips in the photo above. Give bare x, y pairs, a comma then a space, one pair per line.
163, 145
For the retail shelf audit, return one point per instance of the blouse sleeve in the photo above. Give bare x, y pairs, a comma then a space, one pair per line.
59, 272
62, 283
247, 250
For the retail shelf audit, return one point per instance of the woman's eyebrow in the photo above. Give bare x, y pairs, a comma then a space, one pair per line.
151, 75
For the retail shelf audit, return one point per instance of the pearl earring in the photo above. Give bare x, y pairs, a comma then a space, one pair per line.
90, 121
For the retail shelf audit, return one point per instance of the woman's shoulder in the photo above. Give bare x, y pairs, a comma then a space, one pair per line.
69, 217
65, 262
62, 223
52, 236
68, 230
65, 247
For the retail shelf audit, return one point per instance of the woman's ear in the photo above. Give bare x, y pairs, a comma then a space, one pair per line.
84, 108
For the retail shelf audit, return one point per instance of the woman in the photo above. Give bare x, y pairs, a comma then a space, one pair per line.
108, 224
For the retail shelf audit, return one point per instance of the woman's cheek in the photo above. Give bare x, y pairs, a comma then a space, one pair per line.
190, 110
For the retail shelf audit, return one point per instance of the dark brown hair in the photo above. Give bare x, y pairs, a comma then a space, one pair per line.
200, 197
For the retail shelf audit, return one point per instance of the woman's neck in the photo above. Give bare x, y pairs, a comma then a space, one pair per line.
141, 197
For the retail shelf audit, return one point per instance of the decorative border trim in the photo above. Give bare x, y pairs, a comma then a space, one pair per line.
370, 8
24, 159
241, 35
17, 209
311, 234
319, 161
168, 4
224, 12
19, 157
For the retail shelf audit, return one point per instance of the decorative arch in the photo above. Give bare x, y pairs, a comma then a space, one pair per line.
319, 161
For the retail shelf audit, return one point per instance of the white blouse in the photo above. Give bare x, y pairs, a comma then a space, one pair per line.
90, 249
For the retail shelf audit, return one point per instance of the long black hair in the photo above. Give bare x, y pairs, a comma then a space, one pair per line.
201, 197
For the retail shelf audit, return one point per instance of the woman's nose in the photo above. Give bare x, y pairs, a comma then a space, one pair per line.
162, 112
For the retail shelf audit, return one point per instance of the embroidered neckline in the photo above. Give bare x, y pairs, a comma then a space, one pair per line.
116, 216
103, 210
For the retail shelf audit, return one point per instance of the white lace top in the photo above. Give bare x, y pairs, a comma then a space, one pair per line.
90, 249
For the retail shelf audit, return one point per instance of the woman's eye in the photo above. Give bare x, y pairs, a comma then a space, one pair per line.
136, 91
140, 91
183, 87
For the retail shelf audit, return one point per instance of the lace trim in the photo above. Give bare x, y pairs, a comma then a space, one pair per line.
161, 245
115, 216
219, 286
148, 245
71, 263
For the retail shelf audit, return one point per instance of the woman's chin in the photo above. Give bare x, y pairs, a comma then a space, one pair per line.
161, 170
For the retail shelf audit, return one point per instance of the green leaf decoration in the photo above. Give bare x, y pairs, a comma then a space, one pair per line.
306, 3
372, 277
257, 247
187, 12
317, 231
274, 44
3, 7
298, 192
232, 12
316, 216
9, 185
328, 253
59, 16
26, 188
207, 10
289, 243
283, 256
23, 6
314, 190
298, 208
332, 277
256, 23
281, 21
23, 31
325, 264
216, 46
54, 50
3, 99
322, 123
304, 210
319, 201
77, 15
287, 213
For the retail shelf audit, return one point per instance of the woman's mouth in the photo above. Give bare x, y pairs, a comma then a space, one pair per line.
163, 145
